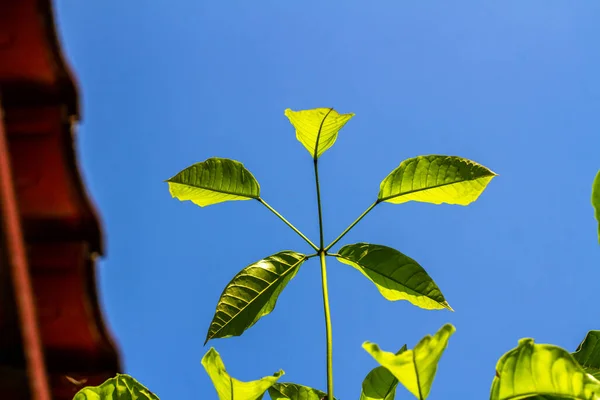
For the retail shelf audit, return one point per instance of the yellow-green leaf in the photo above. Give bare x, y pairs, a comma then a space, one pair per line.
121, 387
435, 179
229, 388
214, 181
416, 368
253, 293
396, 276
317, 129
588, 354
542, 370
596, 200
380, 384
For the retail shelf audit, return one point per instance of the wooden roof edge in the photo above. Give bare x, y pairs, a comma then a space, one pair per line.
68, 91
66, 79
67, 82
93, 230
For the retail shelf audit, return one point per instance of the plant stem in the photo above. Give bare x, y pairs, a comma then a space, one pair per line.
327, 326
322, 253
361, 216
321, 240
314, 246
325, 291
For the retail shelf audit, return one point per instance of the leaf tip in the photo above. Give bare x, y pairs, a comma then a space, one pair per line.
208, 337
446, 305
210, 353
526, 342
369, 347
450, 328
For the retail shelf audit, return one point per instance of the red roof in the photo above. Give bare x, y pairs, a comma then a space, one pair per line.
62, 234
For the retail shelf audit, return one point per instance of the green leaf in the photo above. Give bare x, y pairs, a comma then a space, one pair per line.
596, 200
415, 369
229, 388
292, 391
121, 387
380, 384
252, 294
541, 370
396, 276
214, 181
435, 179
588, 354
317, 129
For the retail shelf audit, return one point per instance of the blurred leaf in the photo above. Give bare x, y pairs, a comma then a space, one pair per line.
253, 293
317, 129
229, 388
292, 391
415, 369
214, 181
396, 276
380, 384
588, 354
532, 370
596, 200
121, 387
435, 179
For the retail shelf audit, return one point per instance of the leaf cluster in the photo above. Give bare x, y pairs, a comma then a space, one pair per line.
253, 292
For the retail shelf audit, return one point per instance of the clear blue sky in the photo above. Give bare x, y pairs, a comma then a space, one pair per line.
513, 84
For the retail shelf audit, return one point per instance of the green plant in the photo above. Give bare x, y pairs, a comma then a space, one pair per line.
253, 292
530, 371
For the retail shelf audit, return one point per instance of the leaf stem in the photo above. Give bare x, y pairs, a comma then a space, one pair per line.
288, 223
356, 221
327, 326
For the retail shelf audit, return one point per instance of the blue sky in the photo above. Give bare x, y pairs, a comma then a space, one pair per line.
513, 85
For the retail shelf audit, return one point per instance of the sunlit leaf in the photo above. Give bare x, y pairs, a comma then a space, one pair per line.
596, 200
214, 181
380, 384
435, 179
542, 370
317, 129
252, 293
292, 391
229, 388
415, 369
396, 276
121, 387
588, 354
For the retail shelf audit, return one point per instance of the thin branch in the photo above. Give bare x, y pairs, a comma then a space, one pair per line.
288, 223
361, 216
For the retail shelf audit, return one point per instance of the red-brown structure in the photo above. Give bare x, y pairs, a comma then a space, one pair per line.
52, 333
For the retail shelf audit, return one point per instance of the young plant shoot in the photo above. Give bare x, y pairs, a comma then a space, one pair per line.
253, 292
